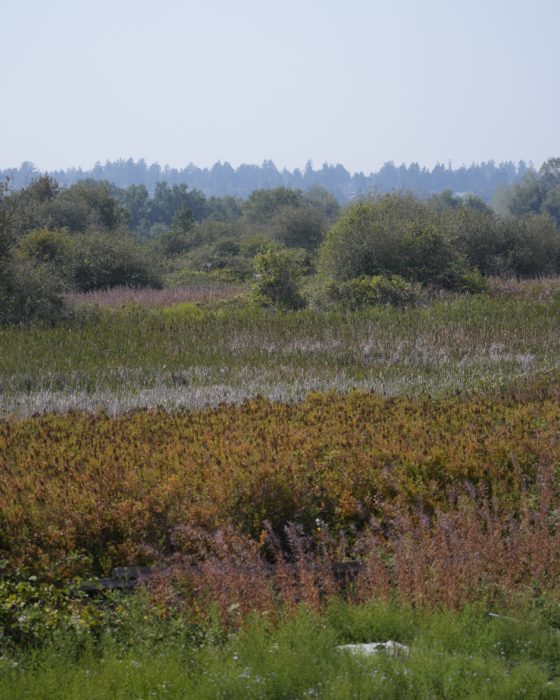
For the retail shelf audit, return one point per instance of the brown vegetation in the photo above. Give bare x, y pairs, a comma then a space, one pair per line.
83, 493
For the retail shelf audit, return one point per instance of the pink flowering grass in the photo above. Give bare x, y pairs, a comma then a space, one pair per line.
120, 296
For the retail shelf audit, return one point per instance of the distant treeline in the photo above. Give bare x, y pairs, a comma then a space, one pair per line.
482, 180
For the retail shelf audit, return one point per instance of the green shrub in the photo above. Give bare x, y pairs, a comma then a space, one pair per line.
51, 248
429, 256
29, 292
253, 243
103, 260
392, 235
183, 311
183, 221
85, 205
224, 258
278, 271
262, 205
473, 282
299, 227
532, 246
367, 290
32, 612
478, 234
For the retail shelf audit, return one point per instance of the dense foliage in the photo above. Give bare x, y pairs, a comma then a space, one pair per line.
437, 245
92, 235
82, 492
538, 192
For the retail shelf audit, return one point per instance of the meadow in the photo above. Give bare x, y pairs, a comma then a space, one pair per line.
192, 355
302, 426
243, 453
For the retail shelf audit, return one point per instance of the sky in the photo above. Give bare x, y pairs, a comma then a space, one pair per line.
356, 82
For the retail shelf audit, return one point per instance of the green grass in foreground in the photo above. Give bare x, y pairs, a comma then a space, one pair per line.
187, 357
452, 655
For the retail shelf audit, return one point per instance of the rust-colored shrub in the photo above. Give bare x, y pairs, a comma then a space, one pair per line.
82, 493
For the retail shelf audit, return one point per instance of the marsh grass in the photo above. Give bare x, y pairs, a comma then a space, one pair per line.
544, 289
185, 356
117, 297
244, 620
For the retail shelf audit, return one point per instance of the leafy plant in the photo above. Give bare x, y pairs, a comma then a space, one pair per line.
366, 291
104, 260
278, 272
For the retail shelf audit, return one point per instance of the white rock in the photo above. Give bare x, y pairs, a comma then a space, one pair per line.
390, 647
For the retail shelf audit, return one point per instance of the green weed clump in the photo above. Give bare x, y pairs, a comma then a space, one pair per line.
459, 655
364, 291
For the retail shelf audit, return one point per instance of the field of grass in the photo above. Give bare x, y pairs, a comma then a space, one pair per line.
185, 356
449, 655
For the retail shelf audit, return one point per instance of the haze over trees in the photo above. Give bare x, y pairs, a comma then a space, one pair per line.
221, 180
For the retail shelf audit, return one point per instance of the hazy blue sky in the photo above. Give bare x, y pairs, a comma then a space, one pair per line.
358, 82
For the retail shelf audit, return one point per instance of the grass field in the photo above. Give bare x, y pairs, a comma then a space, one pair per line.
185, 356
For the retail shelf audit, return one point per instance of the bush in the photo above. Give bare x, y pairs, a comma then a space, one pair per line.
393, 234
473, 282
170, 244
429, 257
33, 612
29, 292
436, 246
478, 234
183, 311
183, 221
299, 227
52, 248
87, 204
532, 246
104, 260
250, 245
223, 258
278, 272
8, 224
366, 290
263, 205
364, 241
